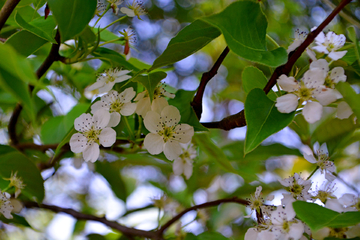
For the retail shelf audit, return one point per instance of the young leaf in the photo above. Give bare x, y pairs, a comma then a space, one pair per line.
350, 97
263, 118
16, 162
244, 27
317, 217
25, 48
150, 81
213, 151
182, 102
253, 77
72, 16
353, 38
188, 41
40, 27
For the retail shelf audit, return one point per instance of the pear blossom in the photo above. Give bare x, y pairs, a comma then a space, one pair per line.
144, 104
118, 104
329, 44
299, 39
100, 7
16, 182
107, 80
322, 160
284, 224
93, 132
114, 5
351, 202
5, 205
259, 234
256, 202
298, 188
324, 193
184, 163
166, 133
129, 37
133, 10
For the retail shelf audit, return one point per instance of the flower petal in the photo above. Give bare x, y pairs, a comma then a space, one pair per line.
143, 106
287, 103
153, 122
183, 133
343, 110
154, 143
91, 153
310, 158
325, 95
338, 75
289, 84
101, 118
170, 116
128, 108
77, 143
127, 11
159, 104
107, 137
98, 84
172, 149
127, 95
312, 112
314, 78
115, 118
107, 87
84, 122
336, 55
122, 78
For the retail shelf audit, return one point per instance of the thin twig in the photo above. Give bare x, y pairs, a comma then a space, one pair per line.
238, 119
206, 77
204, 205
6, 11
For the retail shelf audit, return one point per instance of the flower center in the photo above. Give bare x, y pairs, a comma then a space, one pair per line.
338, 232
93, 135
116, 106
296, 189
286, 226
167, 133
304, 93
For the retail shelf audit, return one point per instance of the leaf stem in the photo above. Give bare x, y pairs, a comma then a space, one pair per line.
272, 41
118, 20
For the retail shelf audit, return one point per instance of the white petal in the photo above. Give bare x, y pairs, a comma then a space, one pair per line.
154, 143
178, 166
127, 95
334, 205
188, 169
183, 133
121, 73
325, 95
347, 199
171, 116
266, 235
294, 45
140, 96
153, 122
323, 149
98, 84
101, 118
320, 38
83, 123
91, 153
289, 84
310, 158
314, 78
320, 49
329, 176
321, 64
127, 11
343, 110
128, 108
107, 137
77, 143
251, 234
312, 112
99, 105
338, 75
172, 149
159, 104
143, 106
296, 230
122, 78
115, 118
107, 87
321, 234
287, 103
337, 55
311, 54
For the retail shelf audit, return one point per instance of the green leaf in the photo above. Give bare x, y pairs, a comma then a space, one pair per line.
214, 152
301, 127
17, 219
352, 35
263, 118
150, 81
253, 77
29, 173
350, 97
72, 16
54, 130
211, 236
111, 173
106, 35
182, 102
114, 58
25, 48
317, 217
27, 13
244, 27
188, 41
41, 27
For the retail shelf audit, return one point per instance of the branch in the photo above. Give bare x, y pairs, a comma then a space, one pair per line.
238, 119
206, 77
204, 205
82, 216
6, 11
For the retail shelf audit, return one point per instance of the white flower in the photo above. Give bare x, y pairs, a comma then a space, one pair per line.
114, 5
299, 39
16, 182
117, 104
325, 192
256, 202
5, 205
100, 7
184, 163
157, 104
107, 80
351, 202
322, 160
343, 110
133, 10
128, 37
329, 44
166, 133
298, 187
284, 225
93, 132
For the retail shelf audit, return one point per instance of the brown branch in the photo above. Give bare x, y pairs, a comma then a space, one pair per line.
206, 77
238, 119
6, 11
204, 205
82, 216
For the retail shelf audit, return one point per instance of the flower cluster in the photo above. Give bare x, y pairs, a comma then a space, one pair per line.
317, 86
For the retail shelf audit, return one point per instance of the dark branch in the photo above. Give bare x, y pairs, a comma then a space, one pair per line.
238, 119
6, 11
204, 205
206, 77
